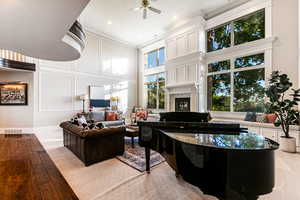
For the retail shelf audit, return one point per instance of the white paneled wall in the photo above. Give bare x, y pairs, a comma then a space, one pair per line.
183, 64
56, 91
182, 74
182, 44
55, 86
103, 62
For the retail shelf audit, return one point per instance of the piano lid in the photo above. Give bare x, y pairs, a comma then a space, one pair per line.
241, 141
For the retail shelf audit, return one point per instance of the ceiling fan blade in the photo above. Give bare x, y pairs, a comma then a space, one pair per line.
154, 10
145, 13
135, 9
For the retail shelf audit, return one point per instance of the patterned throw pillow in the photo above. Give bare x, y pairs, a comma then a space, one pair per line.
261, 118
82, 123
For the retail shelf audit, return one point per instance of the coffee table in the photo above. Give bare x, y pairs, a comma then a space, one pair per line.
132, 131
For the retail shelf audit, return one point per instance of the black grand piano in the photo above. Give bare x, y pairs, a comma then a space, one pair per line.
223, 160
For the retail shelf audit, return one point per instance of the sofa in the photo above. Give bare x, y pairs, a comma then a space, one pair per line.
92, 146
101, 116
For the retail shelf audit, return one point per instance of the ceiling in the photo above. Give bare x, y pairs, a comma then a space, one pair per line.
128, 26
36, 28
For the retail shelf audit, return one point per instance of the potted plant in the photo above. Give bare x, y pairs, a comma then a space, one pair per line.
285, 108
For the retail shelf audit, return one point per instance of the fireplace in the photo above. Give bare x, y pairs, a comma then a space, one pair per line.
183, 104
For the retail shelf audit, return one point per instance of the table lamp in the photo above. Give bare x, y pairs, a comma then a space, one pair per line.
83, 98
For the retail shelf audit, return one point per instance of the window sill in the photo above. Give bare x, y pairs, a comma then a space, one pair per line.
228, 115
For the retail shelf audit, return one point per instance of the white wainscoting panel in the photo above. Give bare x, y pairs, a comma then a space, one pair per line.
192, 72
181, 45
192, 42
171, 49
90, 61
56, 91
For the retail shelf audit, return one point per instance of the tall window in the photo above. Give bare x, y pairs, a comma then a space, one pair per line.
245, 29
155, 58
155, 84
237, 84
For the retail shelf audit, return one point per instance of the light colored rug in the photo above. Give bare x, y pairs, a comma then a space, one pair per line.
114, 180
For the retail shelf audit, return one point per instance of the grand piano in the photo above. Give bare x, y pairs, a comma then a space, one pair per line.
223, 160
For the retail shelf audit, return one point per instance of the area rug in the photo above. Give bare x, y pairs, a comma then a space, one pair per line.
135, 157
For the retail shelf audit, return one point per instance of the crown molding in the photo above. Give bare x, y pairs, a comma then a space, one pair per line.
224, 9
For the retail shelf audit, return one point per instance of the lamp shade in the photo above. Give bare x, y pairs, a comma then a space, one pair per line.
84, 97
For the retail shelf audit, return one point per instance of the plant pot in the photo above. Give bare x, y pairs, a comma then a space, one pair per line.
288, 144
271, 118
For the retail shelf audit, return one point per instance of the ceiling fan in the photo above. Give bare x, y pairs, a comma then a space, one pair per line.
145, 7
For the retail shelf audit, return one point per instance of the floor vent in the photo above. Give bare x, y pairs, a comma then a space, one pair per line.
13, 131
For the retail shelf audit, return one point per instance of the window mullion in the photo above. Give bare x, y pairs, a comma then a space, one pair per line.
157, 100
157, 57
231, 84
232, 34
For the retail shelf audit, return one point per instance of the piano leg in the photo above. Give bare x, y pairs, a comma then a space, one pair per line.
147, 153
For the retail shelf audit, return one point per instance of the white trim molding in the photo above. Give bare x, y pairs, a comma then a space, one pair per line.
243, 10
240, 50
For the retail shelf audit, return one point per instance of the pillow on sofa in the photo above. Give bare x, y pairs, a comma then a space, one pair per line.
261, 118
250, 117
82, 120
110, 116
98, 116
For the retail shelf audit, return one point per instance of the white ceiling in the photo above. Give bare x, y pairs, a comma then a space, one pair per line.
36, 28
129, 26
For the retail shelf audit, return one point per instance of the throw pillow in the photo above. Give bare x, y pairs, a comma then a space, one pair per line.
82, 120
271, 118
98, 116
110, 116
250, 117
142, 114
261, 118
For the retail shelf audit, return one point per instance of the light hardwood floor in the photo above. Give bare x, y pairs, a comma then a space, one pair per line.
112, 179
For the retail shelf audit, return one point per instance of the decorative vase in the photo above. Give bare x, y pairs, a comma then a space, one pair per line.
288, 144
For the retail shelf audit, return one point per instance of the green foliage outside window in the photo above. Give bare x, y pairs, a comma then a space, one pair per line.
218, 38
249, 92
242, 30
152, 97
248, 85
249, 28
249, 61
155, 91
219, 66
161, 95
218, 98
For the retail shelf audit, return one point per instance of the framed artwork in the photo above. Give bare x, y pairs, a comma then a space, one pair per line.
14, 94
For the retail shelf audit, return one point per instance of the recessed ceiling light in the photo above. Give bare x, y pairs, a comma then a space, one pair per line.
109, 22
175, 17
